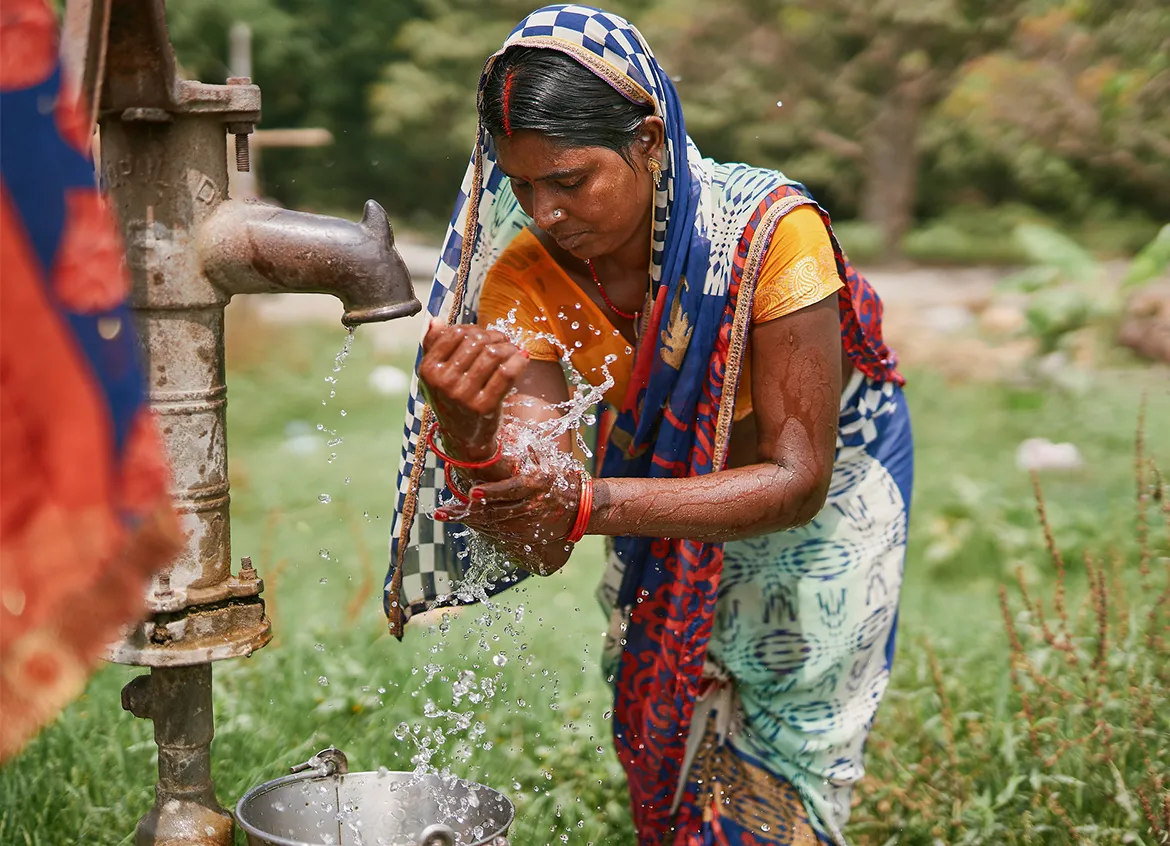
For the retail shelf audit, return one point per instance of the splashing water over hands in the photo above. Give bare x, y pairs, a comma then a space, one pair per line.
528, 501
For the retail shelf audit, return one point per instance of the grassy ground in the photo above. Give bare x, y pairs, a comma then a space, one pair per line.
333, 676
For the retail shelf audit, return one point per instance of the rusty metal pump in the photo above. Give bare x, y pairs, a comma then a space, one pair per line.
190, 248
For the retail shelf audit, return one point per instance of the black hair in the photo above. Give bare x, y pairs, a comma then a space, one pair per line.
547, 91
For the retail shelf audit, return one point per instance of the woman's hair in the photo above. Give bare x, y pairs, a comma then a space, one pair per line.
546, 91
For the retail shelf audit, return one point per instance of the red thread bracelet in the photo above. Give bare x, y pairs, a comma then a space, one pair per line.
466, 465
584, 509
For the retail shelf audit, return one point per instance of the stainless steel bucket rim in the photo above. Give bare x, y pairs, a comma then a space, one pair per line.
335, 778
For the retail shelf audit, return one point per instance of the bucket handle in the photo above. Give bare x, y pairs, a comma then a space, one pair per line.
327, 762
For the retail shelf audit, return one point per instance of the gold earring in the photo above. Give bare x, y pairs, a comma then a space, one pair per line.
655, 171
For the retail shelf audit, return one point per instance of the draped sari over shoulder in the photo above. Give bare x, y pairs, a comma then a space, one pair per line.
712, 225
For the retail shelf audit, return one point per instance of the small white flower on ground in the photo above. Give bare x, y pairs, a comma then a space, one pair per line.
1043, 454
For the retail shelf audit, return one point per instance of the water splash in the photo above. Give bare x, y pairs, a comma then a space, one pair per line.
457, 693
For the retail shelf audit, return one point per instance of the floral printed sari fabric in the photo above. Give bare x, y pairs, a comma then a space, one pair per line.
85, 514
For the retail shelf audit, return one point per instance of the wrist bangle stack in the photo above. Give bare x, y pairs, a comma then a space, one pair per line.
449, 462
584, 509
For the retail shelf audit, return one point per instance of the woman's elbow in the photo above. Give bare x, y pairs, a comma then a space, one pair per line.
793, 504
799, 502
812, 501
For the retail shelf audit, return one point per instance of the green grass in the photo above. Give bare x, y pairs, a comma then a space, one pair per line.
87, 778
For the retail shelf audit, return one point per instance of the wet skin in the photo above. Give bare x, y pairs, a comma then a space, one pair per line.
780, 457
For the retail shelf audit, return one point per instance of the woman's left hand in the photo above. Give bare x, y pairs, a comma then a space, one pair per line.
537, 506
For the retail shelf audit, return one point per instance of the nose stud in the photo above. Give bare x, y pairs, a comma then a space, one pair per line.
558, 214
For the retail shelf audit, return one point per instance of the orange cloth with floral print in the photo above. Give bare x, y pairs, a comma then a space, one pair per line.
798, 270
85, 512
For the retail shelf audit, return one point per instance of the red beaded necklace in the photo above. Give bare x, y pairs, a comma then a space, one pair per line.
626, 314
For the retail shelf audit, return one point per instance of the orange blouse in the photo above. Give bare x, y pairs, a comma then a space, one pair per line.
526, 287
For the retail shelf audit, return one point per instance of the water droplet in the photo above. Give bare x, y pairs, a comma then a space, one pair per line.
343, 412
324, 553
765, 826
325, 498
347, 480
320, 647
499, 659
323, 681
323, 581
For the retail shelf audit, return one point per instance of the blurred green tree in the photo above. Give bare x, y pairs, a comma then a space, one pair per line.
315, 62
1075, 108
857, 80
893, 110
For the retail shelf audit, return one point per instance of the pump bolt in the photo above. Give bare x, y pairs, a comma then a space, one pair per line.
243, 154
247, 571
164, 586
241, 131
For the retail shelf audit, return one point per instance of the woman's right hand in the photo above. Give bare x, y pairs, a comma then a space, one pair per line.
465, 373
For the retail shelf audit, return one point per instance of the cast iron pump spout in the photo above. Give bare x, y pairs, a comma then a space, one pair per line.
254, 248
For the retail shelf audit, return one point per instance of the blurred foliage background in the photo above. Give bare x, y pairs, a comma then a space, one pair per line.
937, 126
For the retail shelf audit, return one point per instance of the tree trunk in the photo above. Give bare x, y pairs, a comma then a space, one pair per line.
891, 165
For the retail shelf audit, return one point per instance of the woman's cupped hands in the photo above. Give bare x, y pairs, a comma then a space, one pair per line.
466, 374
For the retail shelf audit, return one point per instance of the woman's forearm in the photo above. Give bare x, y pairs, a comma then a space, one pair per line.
729, 505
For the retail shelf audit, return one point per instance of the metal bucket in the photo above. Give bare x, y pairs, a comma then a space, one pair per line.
323, 804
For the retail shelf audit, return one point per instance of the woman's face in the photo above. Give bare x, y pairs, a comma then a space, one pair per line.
604, 201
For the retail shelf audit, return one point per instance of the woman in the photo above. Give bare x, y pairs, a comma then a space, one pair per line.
755, 474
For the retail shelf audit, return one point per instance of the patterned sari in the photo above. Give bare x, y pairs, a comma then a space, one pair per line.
680, 708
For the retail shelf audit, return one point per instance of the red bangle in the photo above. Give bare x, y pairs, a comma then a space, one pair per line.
584, 509
466, 465
455, 492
